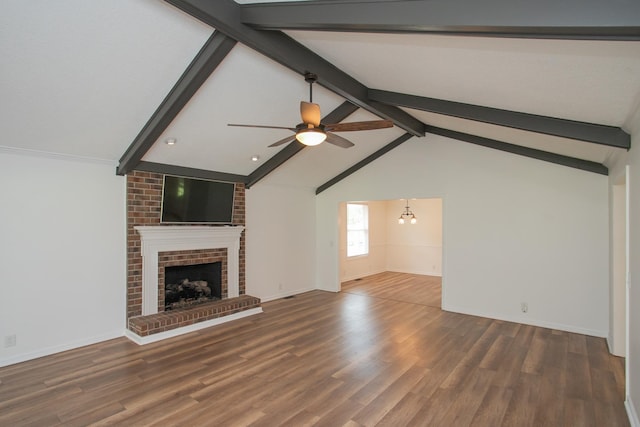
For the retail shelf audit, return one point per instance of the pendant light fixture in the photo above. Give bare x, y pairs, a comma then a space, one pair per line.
407, 214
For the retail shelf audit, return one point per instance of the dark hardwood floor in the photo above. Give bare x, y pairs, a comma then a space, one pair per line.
401, 287
366, 356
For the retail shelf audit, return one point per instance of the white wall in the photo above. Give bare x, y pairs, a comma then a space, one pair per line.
280, 241
633, 364
618, 272
415, 248
62, 254
632, 160
515, 230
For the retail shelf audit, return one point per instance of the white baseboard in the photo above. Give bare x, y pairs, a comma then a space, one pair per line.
285, 294
358, 276
631, 412
615, 348
610, 343
371, 273
417, 271
528, 321
59, 348
191, 328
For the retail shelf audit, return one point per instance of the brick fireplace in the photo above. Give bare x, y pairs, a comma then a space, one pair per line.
184, 285
152, 246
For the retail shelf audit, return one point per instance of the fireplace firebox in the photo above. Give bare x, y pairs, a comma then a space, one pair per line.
186, 285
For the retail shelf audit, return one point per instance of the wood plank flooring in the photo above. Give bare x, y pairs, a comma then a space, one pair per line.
362, 357
402, 287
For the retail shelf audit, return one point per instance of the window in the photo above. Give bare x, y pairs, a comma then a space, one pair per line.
357, 230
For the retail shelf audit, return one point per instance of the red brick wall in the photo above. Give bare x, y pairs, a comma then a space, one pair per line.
144, 198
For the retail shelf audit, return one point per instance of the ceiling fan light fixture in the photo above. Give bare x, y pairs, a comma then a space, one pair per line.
311, 137
313, 132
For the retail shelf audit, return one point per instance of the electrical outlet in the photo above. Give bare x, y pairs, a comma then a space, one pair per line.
10, 341
524, 307
279, 286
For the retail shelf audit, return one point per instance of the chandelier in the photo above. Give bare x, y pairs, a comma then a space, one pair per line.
407, 214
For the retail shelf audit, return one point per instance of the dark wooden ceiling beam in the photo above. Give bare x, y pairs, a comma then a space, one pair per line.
206, 61
362, 163
567, 19
190, 172
343, 111
558, 159
225, 16
533, 153
598, 134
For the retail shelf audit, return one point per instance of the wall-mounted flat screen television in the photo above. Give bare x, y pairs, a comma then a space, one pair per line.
191, 200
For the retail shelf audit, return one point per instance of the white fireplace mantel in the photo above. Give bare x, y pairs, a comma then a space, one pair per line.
157, 239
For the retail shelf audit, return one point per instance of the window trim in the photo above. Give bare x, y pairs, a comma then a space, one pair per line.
365, 230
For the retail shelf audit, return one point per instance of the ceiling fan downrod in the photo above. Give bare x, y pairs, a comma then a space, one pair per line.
311, 79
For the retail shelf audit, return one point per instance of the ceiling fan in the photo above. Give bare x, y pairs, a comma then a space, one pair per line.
312, 132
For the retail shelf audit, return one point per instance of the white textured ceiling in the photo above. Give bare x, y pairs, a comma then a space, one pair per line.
82, 78
591, 81
246, 88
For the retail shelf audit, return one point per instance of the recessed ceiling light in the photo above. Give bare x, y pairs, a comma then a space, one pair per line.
170, 141
255, 158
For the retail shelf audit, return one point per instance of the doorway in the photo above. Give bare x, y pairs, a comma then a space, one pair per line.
409, 248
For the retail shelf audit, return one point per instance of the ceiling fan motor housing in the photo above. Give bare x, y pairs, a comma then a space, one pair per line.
310, 77
305, 126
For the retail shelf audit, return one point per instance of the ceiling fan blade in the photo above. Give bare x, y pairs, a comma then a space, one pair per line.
310, 113
262, 126
367, 125
283, 141
339, 141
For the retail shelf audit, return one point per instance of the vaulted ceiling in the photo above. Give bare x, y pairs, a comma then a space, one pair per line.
553, 81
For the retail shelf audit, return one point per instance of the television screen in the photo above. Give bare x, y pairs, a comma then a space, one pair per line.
197, 200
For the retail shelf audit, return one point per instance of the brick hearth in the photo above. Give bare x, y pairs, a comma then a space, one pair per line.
168, 320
